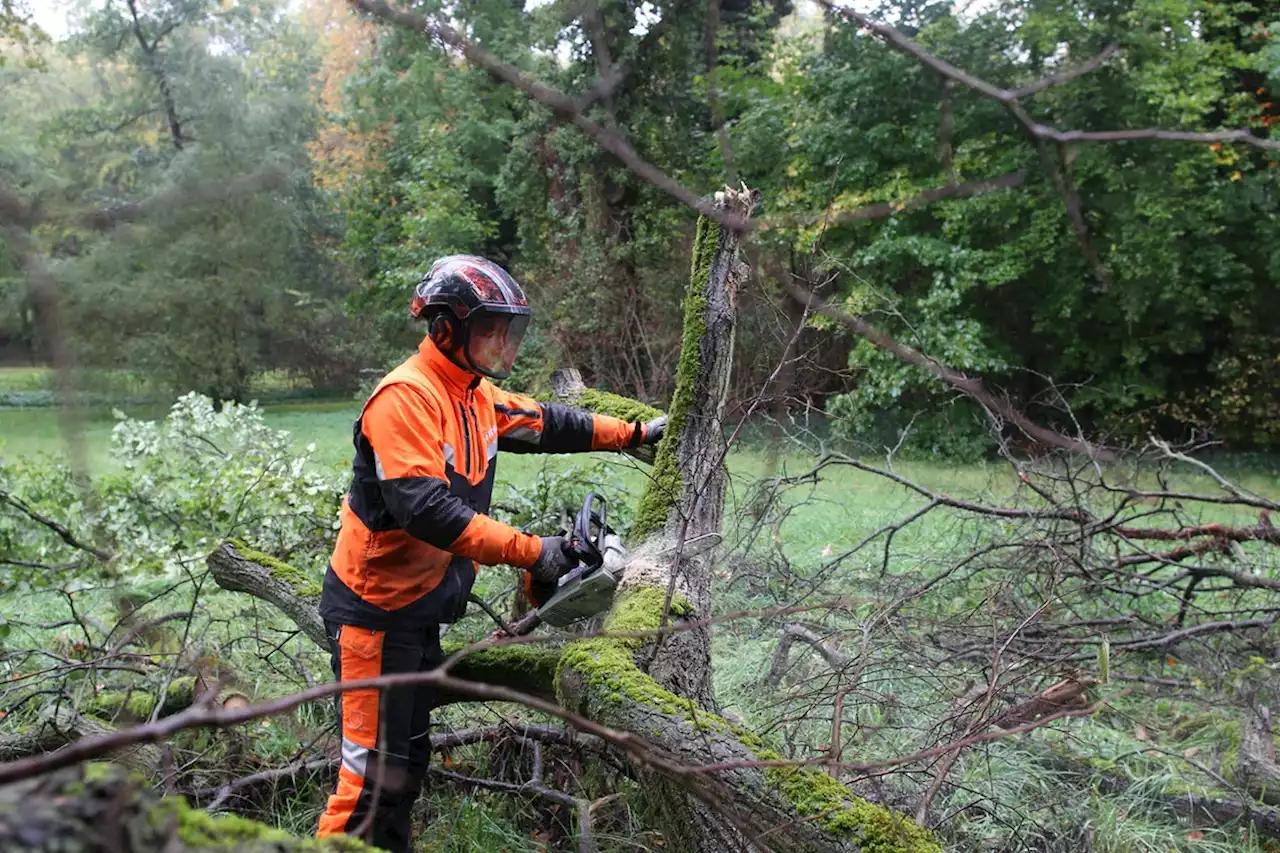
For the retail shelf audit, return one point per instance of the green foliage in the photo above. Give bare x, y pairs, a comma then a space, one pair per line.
212, 288
998, 285
182, 485
18, 30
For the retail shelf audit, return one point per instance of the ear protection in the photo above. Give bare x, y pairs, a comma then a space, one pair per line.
444, 331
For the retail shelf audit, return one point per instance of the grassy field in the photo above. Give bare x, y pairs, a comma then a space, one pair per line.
818, 520
838, 509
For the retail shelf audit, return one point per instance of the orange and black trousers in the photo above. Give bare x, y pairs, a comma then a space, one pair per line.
385, 734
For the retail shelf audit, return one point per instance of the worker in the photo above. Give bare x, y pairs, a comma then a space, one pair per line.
414, 527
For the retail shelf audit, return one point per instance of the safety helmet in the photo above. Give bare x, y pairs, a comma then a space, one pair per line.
477, 313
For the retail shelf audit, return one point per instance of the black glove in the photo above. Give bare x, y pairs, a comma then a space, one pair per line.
556, 559
654, 429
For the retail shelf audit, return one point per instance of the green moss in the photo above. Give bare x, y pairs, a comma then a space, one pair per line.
303, 584
608, 665
663, 491
138, 704
835, 808
202, 830
513, 665
616, 405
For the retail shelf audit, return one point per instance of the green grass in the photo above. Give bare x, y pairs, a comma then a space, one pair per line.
35, 431
811, 525
24, 378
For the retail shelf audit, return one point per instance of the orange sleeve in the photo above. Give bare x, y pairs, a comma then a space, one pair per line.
527, 426
406, 431
609, 433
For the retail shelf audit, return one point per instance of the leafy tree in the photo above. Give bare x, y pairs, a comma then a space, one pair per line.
180, 101
1146, 317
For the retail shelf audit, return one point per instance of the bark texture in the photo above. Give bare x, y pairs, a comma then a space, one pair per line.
99, 808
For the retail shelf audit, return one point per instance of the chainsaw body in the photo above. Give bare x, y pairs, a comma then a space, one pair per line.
588, 589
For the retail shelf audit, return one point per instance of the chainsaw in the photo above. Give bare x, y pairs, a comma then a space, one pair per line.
587, 590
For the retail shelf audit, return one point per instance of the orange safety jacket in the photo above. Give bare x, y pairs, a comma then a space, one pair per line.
414, 523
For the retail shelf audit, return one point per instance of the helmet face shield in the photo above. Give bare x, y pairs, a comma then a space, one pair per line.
493, 341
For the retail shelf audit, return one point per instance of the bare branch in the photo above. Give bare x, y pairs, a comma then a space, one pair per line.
223, 792
967, 385
1154, 135
63, 532
202, 714
1010, 98
1230, 488
1171, 639
1067, 74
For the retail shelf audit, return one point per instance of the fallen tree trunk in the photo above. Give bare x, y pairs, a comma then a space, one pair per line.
99, 808
658, 685
718, 786
61, 725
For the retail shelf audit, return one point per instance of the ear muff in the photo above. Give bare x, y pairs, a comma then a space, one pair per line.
445, 332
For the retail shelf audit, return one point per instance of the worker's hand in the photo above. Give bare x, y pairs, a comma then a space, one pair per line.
557, 557
654, 429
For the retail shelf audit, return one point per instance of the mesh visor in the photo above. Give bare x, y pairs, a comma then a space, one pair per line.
493, 340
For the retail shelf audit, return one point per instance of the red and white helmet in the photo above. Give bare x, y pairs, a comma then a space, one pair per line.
477, 311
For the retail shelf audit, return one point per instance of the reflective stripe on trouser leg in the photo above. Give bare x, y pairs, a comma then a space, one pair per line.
357, 655
384, 753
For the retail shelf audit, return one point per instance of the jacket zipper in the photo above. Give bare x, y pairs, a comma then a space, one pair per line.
481, 450
466, 438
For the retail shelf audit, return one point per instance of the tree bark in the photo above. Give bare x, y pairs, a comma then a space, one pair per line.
101, 809
62, 725
1256, 770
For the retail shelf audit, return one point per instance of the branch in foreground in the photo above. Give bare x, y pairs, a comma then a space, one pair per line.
238, 568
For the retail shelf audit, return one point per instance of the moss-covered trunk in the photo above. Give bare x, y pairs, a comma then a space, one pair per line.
99, 808
685, 496
737, 806
660, 688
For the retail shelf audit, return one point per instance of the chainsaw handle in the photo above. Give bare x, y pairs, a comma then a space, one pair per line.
590, 552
